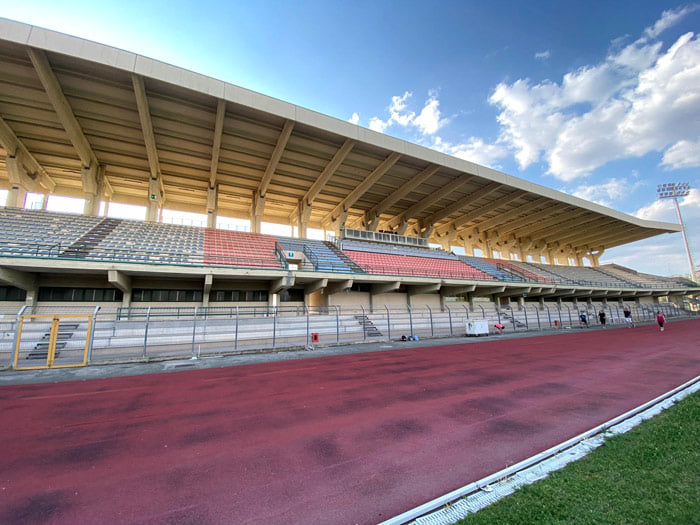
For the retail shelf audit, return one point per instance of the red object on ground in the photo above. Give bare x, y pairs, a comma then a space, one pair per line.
346, 439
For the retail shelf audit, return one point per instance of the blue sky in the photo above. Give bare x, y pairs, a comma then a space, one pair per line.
597, 99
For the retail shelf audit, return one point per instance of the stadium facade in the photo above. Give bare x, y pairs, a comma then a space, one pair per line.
82, 119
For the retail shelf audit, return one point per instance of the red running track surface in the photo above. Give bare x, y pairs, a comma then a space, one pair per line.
345, 439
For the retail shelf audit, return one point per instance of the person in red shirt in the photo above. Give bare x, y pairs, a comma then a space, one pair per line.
661, 320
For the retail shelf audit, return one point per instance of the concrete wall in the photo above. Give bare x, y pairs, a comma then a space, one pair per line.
350, 299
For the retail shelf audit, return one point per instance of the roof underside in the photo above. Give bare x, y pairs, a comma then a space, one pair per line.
329, 167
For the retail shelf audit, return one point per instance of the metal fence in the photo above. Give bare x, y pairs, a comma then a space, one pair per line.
155, 332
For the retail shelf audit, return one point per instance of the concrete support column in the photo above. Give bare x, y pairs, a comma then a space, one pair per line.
32, 296
126, 299
338, 223
541, 303
521, 303
470, 302
15, 197
403, 226
303, 215
212, 207
93, 178
155, 200
468, 248
18, 182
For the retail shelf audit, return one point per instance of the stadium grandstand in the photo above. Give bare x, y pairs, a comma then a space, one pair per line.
84, 120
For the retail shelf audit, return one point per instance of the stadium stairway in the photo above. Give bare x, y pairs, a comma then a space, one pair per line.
354, 267
82, 247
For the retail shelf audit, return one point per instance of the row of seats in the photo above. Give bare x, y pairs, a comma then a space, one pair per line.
323, 258
37, 233
394, 249
388, 264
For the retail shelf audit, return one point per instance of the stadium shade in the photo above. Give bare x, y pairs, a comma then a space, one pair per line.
87, 120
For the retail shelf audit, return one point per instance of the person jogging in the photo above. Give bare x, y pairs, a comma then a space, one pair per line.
601, 316
661, 320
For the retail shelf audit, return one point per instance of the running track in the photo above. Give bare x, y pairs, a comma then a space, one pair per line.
345, 439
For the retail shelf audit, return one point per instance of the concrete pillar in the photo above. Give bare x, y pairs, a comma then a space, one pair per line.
521, 303
470, 302
442, 303
468, 248
155, 200
126, 298
212, 207
32, 297
15, 197
541, 303
403, 226
303, 214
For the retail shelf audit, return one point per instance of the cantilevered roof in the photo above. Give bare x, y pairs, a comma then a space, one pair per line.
67, 104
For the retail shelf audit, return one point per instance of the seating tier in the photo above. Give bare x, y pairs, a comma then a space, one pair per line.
389, 264
233, 248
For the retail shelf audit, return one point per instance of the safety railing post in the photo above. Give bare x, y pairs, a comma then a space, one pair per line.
449, 316
466, 311
498, 313
15, 348
527, 324
337, 324
537, 313
307, 325
512, 316
571, 323
235, 340
364, 323
549, 316
410, 318
483, 313
388, 322
432, 329
194, 329
274, 326
145, 332
92, 333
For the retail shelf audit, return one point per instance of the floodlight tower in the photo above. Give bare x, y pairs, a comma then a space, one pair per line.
673, 190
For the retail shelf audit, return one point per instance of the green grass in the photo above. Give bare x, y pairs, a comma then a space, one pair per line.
648, 475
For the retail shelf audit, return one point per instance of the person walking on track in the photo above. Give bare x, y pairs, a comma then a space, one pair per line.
628, 316
601, 316
661, 320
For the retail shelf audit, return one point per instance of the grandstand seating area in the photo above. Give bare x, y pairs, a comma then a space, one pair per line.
491, 269
41, 234
520, 269
227, 247
391, 259
584, 275
136, 241
36, 233
320, 256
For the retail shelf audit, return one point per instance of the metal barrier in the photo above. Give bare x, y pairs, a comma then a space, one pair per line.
59, 339
197, 331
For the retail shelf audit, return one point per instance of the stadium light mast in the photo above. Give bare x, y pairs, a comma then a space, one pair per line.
673, 190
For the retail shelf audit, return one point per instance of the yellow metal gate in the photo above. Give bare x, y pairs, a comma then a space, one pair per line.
55, 341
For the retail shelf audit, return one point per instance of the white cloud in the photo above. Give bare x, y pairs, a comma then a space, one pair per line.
636, 101
683, 154
606, 194
355, 119
664, 253
542, 55
428, 121
473, 150
668, 19
377, 124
